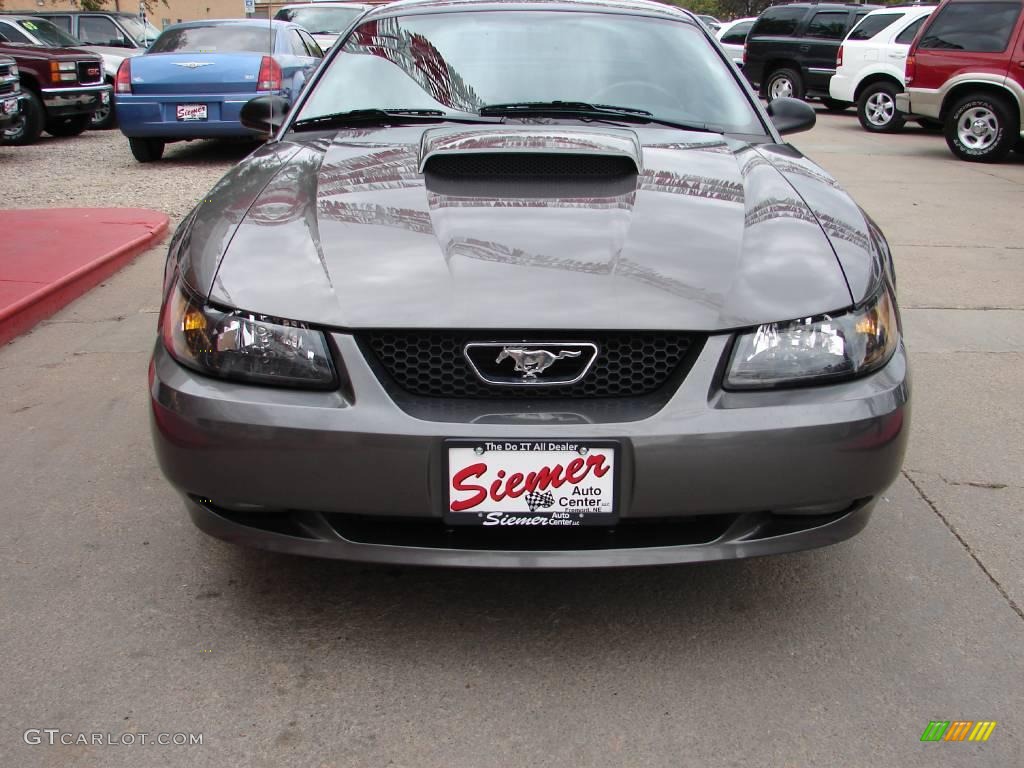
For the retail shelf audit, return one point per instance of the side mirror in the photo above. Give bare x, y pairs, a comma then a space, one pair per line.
791, 115
264, 113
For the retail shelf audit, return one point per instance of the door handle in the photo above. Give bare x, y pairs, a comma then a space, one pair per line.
805, 48
898, 55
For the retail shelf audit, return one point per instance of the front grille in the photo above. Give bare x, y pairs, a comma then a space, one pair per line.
90, 72
431, 363
6, 88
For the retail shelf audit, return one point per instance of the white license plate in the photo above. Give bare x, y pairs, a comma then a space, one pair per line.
531, 483
192, 112
10, 106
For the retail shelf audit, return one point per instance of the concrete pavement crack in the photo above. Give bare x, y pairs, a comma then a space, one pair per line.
963, 542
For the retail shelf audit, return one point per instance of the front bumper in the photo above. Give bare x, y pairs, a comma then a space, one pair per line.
711, 475
9, 118
82, 100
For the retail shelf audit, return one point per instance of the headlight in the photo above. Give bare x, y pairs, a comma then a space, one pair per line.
816, 350
253, 348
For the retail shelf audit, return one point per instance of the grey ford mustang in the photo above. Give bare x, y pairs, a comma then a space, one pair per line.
529, 284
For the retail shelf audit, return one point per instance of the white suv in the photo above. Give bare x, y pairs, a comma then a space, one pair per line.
870, 64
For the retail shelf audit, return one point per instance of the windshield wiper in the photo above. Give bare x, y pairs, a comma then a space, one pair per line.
594, 111
383, 117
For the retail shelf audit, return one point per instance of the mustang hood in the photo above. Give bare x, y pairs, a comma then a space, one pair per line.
543, 227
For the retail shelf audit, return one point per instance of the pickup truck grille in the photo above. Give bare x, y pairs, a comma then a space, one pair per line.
90, 72
7, 80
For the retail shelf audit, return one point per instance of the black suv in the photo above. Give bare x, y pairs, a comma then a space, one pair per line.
791, 49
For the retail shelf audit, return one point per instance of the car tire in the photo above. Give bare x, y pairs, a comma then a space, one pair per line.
981, 129
784, 82
147, 150
33, 117
67, 126
104, 118
876, 109
834, 105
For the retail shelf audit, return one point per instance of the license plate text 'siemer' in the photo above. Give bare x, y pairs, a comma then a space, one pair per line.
531, 483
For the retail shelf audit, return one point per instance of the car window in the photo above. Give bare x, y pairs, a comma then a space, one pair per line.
64, 22
779, 21
828, 25
12, 34
99, 30
872, 25
737, 34
978, 27
49, 34
906, 37
295, 43
215, 38
320, 21
463, 60
312, 47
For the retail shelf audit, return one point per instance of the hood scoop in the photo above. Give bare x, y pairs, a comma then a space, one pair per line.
530, 151
537, 161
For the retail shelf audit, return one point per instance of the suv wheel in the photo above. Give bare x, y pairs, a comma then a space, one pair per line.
876, 109
981, 129
147, 150
31, 124
784, 83
67, 126
103, 118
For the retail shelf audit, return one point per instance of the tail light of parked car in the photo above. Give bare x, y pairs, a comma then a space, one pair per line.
839, 58
270, 75
911, 70
63, 72
123, 80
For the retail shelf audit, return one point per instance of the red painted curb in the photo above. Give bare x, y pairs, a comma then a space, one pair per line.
25, 313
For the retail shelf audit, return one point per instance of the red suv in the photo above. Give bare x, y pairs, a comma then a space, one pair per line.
966, 68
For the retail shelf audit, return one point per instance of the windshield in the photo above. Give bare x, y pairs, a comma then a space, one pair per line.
47, 33
331, 21
221, 38
464, 60
143, 33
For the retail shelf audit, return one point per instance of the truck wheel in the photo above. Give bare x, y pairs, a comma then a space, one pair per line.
104, 117
31, 125
147, 150
784, 83
67, 126
876, 109
981, 129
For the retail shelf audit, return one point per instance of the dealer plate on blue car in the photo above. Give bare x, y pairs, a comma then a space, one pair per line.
192, 112
531, 483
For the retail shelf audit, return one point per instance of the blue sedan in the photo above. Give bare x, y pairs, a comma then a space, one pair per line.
194, 80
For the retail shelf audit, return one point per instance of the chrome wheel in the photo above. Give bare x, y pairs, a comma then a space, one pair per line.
880, 108
781, 87
978, 128
100, 117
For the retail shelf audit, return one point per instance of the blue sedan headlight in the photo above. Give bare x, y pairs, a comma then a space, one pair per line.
254, 348
816, 350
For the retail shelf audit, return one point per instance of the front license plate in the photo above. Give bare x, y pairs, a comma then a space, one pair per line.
10, 106
192, 112
531, 483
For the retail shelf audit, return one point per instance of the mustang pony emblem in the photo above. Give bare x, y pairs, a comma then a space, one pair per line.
533, 361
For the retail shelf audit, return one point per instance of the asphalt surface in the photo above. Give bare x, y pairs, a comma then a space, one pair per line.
119, 617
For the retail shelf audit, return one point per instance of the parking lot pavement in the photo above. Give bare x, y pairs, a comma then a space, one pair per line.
120, 617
